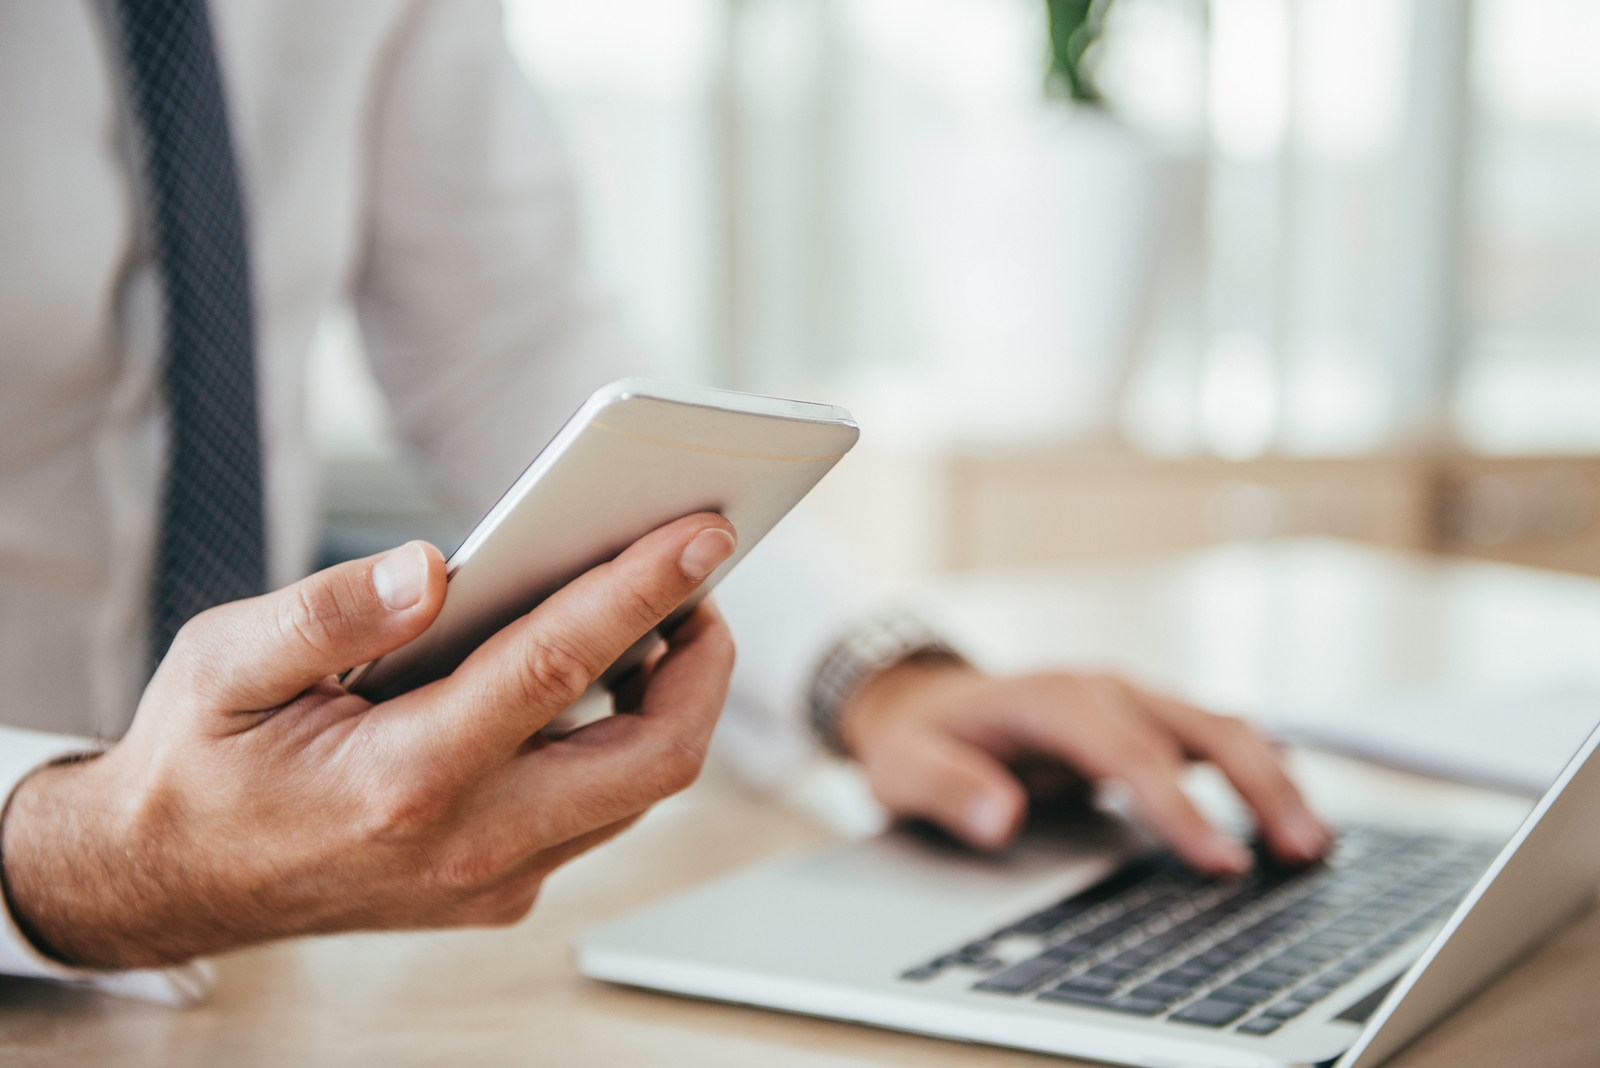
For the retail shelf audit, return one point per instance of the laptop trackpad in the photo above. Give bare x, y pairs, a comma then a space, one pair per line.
922, 861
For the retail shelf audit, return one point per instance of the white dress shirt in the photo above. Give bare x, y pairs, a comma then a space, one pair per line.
392, 156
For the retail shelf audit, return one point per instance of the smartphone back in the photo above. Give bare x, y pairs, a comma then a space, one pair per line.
636, 456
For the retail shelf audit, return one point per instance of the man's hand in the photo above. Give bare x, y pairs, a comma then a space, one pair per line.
253, 798
947, 743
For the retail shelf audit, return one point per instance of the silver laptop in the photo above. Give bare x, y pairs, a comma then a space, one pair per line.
1090, 943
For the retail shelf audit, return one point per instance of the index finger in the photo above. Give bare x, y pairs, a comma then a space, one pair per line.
1253, 767
617, 767
530, 671
1108, 735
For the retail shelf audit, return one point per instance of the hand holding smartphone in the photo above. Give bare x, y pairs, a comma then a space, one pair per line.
637, 455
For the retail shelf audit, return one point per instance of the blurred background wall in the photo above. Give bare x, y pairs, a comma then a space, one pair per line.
1249, 268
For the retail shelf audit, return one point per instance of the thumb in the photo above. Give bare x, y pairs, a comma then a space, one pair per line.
958, 786
258, 653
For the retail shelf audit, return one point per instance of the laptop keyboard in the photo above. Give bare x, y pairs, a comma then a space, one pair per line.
1250, 953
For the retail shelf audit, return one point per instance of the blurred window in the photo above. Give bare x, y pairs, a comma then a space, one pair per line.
1310, 227
1530, 377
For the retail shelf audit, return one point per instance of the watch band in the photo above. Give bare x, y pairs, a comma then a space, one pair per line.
867, 648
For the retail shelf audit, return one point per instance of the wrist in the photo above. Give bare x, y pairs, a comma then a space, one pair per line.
867, 650
898, 686
70, 868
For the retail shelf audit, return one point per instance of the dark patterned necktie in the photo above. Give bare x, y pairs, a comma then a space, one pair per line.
212, 541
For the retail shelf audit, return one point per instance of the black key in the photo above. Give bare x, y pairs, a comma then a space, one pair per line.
1048, 920
1209, 1012
1115, 968
1120, 924
1085, 943
1124, 878
1178, 934
1147, 951
1135, 1006
1242, 942
1263, 980
1315, 955
922, 974
1249, 938
1334, 940
1261, 1025
1027, 925
1180, 980
1286, 1010
1162, 992
1286, 968
1240, 994
1223, 909
1022, 977
1218, 958
1106, 932
1085, 984
1119, 881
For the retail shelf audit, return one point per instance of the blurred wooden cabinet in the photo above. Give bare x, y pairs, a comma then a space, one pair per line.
957, 511
1543, 511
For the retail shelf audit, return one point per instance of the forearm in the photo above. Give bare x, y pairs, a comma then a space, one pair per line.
70, 886
22, 756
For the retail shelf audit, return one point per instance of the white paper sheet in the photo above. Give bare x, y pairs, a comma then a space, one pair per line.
1516, 742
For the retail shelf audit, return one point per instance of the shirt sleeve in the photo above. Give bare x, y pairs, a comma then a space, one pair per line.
787, 602
21, 752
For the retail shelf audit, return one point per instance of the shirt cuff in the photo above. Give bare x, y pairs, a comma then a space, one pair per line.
21, 752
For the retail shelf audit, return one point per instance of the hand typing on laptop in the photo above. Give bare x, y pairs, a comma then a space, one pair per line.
942, 741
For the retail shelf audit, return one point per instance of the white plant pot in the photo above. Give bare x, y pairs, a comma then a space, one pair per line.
1032, 242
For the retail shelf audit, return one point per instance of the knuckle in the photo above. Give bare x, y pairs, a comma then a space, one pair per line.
195, 662
313, 616
189, 649
1231, 729
408, 813
464, 870
1154, 752
507, 906
721, 641
1270, 788
678, 767
556, 671
643, 607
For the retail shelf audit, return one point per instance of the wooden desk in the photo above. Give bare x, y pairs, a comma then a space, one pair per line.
1229, 624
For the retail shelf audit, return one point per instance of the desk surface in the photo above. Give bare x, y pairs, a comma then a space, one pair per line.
1307, 623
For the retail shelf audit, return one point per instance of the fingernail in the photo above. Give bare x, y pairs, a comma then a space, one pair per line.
399, 577
708, 549
1306, 832
1231, 855
988, 818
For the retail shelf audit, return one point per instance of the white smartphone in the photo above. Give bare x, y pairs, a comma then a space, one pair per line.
637, 455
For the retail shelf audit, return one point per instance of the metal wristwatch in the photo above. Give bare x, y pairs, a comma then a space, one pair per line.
866, 649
